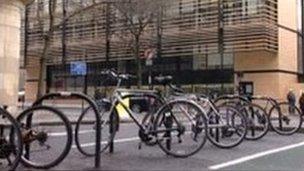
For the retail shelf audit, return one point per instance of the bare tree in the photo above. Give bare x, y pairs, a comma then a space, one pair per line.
49, 22
46, 36
136, 16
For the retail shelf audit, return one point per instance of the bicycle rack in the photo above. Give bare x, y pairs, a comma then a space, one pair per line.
111, 126
230, 97
79, 96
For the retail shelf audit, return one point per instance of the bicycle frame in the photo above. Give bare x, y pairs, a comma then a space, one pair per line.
273, 104
269, 100
118, 97
208, 103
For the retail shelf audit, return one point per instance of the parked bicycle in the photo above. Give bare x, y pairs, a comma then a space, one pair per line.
272, 114
226, 125
10, 141
285, 119
178, 126
85, 126
46, 136
256, 117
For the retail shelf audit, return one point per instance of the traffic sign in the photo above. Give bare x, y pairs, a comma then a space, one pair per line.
78, 68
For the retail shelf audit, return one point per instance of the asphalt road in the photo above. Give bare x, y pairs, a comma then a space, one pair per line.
273, 152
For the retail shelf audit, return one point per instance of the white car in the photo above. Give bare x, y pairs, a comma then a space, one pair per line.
21, 95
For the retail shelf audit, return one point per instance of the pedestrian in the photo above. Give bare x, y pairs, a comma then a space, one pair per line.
291, 98
301, 101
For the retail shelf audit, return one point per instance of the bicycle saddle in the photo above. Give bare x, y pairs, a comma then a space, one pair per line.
165, 80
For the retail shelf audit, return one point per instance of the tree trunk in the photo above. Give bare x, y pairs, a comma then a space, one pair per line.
138, 62
42, 67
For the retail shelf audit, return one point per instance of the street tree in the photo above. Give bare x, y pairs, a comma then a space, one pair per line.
49, 19
137, 15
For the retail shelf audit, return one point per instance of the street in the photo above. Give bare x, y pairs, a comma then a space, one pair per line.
273, 152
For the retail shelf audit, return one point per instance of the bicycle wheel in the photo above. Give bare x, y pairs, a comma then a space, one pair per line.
285, 119
180, 128
47, 136
85, 131
227, 127
10, 142
257, 120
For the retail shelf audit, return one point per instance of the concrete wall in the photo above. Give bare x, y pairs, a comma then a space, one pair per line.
10, 22
274, 74
31, 86
288, 41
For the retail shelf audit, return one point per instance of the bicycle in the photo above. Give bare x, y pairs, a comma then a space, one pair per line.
227, 127
256, 117
85, 125
285, 119
10, 141
168, 127
46, 135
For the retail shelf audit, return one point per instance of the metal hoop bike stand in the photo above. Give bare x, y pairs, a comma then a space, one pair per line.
113, 127
79, 96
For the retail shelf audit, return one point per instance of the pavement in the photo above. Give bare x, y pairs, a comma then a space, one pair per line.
273, 152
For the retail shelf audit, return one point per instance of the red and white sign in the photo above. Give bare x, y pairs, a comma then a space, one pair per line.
150, 54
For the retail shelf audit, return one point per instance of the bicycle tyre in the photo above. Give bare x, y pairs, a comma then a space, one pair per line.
257, 122
67, 146
211, 131
161, 114
15, 131
278, 108
77, 132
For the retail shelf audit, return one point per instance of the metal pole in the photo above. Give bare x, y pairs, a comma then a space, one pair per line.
85, 91
26, 35
159, 33
221, 31
302, 32
107, 35
221, 35
63, 60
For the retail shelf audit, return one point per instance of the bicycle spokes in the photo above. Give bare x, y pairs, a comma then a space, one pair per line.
10, 142
47, 136
227, 127
181, 129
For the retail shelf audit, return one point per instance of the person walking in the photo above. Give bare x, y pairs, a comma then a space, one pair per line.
291, 98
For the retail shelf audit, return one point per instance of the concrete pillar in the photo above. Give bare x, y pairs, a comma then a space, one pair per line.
32, 77
10, 23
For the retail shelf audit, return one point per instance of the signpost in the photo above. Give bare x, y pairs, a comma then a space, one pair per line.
78, 68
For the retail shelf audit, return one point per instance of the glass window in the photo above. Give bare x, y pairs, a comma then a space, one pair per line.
250, 6
228, 60
199, 62
214, 61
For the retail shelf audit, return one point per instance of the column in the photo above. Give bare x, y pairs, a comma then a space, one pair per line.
10, 23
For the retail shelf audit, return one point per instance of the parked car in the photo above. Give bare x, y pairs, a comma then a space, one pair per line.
21, 96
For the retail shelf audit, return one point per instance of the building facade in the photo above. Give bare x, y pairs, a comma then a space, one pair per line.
205, 44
